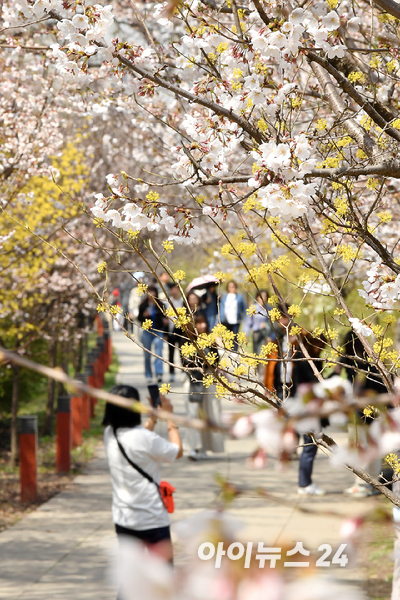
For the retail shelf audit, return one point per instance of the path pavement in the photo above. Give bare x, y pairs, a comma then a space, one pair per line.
61, 550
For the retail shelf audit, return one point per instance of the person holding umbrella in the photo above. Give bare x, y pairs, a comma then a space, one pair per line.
205, 286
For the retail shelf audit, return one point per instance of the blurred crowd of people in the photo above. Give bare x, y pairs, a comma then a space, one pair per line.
287, 366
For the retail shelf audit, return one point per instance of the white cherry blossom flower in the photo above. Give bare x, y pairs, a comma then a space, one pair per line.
277, 39
353, 24
66, 27
337, 51
80, 21
297, 16
331, 21
360, 327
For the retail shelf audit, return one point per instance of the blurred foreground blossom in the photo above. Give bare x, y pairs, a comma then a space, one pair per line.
145, 576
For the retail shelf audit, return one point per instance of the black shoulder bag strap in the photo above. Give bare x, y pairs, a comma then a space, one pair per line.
134, 465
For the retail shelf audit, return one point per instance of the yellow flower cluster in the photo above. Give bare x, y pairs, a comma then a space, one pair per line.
221, 47
384, 216
369, 411
273, 267
188, 350
241, 338
251, 203
270, 348
295, 330
246, 248
101, 267
348, 253
294, 311
183, 318
274, 315
262, 126
133, 234
153, 196
356, 77
168, 245
164, 389
208, 380
147, 324
341, 206
389, 319
394, 462
179, 275
142, 289
220, 276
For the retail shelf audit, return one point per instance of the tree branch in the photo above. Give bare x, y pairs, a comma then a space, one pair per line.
356, 96
336, 103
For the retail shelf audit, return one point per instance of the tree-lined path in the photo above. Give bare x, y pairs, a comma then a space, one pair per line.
61, 550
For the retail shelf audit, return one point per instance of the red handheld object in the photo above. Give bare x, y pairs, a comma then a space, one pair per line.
166, 493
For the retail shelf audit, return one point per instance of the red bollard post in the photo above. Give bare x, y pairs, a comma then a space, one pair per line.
85, 403
85, 412
63, 435
99, 325
89, 372
27, 458
76, 418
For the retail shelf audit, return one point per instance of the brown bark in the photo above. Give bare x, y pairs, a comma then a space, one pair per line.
14, 416
51, 388
64, 366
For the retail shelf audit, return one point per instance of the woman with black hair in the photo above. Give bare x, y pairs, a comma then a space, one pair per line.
137, 508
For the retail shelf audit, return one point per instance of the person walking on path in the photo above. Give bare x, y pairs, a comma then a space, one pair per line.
196, 304
232, 309
137, 508
259, 325
151, 309
211, 302
303, 373
278, 375
201, 401
356, 361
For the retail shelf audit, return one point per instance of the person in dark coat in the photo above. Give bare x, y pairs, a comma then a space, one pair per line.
303, 373
151, 309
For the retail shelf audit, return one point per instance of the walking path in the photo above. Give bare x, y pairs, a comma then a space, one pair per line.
62, 550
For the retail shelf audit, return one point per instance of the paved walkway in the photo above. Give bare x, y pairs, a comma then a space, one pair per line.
61, 550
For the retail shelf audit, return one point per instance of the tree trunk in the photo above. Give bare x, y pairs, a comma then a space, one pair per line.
64, 365
51, 388
79, 355
14, 416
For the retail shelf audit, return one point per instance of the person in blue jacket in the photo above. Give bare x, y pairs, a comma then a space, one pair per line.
232, 309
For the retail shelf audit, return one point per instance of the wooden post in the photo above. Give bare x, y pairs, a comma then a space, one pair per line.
63, 435
99, 324
85, 403
92, 359
76, 418
89, 372
101, 359
27, 458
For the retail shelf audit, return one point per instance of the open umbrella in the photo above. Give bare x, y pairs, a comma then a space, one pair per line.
201, 282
